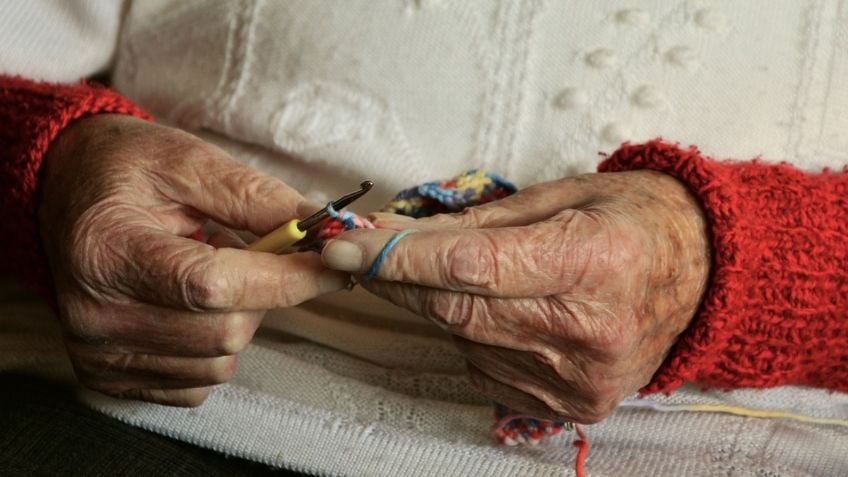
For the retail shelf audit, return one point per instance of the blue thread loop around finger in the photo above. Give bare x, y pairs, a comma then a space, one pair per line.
372, 272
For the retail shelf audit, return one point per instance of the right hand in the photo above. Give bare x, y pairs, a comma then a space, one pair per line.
147, 312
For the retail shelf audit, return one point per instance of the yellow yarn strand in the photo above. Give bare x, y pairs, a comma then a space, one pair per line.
735, 410
764, 414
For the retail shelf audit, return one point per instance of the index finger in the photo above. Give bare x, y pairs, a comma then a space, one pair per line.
522, 262
188, 274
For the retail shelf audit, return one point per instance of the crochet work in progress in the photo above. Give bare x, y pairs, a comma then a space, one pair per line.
473, 187
774, 312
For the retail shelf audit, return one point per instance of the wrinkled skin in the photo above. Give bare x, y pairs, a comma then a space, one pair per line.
565, 297
148, 313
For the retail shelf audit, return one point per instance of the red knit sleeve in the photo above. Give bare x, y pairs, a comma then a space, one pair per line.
776, 310
31, 117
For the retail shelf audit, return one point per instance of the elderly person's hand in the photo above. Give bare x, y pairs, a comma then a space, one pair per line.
147, 312
564, 297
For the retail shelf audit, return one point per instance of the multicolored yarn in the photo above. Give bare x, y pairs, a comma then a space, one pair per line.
336, 223
514, 429
472, 187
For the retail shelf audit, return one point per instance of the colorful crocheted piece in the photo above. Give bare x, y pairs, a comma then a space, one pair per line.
472, 187
512, 429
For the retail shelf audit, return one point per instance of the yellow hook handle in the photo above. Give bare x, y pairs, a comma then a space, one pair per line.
282, 237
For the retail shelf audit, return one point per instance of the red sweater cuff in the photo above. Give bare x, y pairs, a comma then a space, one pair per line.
32, 115
776, 310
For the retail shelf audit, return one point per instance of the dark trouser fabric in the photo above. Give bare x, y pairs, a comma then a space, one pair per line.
46, 431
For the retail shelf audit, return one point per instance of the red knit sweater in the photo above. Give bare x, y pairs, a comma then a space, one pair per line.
776, 311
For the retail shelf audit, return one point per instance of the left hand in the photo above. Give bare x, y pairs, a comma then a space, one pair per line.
565, 297
148, 313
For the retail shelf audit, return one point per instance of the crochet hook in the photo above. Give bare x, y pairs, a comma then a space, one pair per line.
294, 230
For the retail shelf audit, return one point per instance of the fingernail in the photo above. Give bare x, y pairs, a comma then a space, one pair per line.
342, 255
331, 281
309, 207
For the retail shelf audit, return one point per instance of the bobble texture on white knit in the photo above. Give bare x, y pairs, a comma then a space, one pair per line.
681, 56
615, 132
711, 19
571, 98
602, 58
632, 17
647, 97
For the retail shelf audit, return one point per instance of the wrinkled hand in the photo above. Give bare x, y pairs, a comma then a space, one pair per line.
148, 313
564, 298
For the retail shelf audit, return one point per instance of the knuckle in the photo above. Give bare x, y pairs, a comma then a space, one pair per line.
595, 412
116, 364
222, 369
232, 335
472, 262
598, 400
472, 216
455, 310
205, 289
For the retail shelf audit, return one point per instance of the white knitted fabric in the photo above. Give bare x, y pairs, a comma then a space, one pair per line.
58, 40
325, 93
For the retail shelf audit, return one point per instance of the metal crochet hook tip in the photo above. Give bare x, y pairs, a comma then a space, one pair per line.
338, 204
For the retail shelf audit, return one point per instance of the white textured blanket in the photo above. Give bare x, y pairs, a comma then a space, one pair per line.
386, 396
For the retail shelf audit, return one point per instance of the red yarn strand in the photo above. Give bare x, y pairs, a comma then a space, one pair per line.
582, 445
